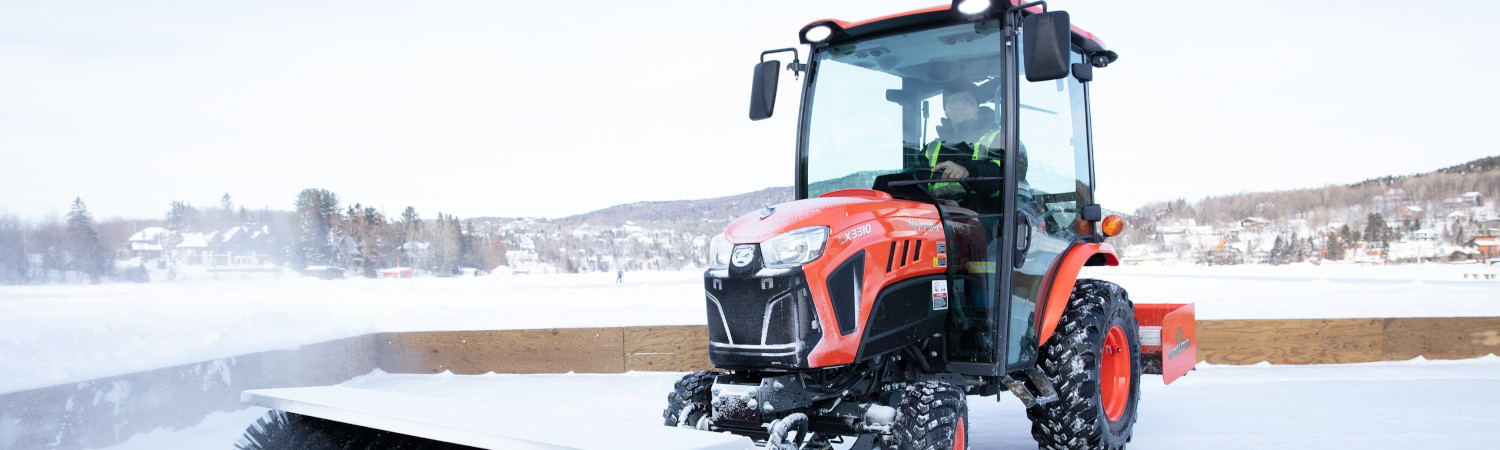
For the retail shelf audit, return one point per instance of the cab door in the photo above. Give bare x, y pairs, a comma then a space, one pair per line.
1053, 176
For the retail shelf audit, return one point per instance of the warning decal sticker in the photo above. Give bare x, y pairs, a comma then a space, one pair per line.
939, 295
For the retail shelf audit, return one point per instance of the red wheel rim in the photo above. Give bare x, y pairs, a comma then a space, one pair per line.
958, 436
1114, 373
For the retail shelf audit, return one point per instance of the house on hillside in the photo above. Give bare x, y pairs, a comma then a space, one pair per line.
1396, 194
1466, 200
237, 246
192, 250
1229, 250
242, 246
522, 261
1254, 225
1261, 252
1487, 247
1426, 235
1414, 251
1489, 225
1410, 216
413, 254
146, 244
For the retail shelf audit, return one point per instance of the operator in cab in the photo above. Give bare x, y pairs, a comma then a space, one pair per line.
968, 145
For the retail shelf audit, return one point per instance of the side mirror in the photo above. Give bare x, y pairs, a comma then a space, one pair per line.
1046, 45
763, 92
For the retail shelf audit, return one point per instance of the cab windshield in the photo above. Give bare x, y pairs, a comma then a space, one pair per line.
879, 105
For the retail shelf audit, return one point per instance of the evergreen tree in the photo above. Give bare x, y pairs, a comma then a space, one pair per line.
1377, 232
371, 234
1296, 250
1278, 251
13, 264
1336, 245
317, 210
407, 231
225, 218
182, 218
445, 240
1311, 246
88, 256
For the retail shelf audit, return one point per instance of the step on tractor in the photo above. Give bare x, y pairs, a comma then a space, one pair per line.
944, 209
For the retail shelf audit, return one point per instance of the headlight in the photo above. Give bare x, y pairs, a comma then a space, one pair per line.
794, 248
718, 252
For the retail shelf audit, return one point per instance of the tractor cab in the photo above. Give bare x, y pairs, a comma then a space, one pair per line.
982, 115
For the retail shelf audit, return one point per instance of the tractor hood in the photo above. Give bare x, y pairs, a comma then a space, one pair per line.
838, 210
830, 259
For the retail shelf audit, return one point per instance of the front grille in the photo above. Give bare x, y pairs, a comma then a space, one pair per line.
760, 321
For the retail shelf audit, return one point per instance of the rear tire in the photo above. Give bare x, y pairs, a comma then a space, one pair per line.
692, 389
932, 415
1093, 361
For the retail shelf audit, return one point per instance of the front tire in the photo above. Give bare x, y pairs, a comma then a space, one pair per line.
1092, 360
932, 415
692, 390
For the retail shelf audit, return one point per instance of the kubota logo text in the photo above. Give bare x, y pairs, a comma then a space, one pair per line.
921, 226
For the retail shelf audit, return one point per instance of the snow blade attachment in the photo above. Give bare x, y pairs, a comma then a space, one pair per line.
404, 420
281, 430
1169, 339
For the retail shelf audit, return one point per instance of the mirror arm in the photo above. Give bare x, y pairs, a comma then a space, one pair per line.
1012, 9
797, 67
1010, 25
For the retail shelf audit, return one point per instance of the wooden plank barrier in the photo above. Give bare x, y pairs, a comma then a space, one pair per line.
1333, 341
674, 349
557, 350
684, 348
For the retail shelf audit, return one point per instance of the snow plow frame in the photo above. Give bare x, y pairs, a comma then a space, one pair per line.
1158, 321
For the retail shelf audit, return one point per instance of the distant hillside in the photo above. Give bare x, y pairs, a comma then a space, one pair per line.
674, 234
1445, 207
704, 216
665, 235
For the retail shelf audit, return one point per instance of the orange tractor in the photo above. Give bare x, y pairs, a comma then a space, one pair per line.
945, 205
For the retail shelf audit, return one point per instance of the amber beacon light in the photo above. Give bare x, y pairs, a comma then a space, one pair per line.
1112, 225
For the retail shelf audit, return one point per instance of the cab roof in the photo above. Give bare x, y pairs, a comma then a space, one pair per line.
942, 14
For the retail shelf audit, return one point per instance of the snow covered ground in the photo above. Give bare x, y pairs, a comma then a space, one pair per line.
1385, 405
58, 334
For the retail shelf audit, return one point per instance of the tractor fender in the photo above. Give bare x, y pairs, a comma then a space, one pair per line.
1064, 274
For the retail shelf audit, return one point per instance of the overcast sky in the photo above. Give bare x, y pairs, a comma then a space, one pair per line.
508, 108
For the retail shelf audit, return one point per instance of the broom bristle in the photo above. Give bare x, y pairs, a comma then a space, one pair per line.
280, 430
